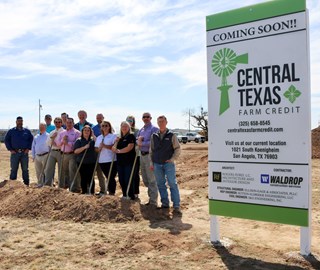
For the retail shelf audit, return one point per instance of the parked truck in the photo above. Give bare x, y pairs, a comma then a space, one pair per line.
195, 137
181, 138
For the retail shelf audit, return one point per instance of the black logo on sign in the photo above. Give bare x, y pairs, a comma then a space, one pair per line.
216, 176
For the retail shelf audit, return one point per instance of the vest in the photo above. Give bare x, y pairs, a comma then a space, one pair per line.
162, 149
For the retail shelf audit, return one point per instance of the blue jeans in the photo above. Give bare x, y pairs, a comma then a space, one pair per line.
163, 173
15, 159
124, 172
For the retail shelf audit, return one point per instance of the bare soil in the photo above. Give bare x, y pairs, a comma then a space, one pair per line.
51, 228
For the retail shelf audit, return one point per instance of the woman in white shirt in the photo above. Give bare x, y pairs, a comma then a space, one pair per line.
107, 158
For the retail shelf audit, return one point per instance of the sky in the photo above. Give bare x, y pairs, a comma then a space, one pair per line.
118, 58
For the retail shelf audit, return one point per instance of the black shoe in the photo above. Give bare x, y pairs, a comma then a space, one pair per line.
163, 207
177, 211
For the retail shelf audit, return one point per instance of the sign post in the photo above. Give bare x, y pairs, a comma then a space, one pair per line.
259, 115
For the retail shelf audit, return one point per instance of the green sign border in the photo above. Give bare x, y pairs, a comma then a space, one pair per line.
254, 13
283, 215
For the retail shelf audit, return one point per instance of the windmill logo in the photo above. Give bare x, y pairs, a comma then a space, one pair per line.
223, 63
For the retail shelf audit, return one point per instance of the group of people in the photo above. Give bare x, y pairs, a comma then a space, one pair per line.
82, 150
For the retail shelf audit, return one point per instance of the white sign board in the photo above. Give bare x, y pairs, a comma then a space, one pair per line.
259, 113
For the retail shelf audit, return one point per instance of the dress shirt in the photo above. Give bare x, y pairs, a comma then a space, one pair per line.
146, 131
39, 144
73, 134
56, 143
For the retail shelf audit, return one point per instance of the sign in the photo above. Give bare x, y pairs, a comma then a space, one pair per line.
259, 112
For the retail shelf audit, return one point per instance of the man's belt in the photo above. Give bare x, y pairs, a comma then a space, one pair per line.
68, 153
56, 150
20, 150
40, 155
144, 153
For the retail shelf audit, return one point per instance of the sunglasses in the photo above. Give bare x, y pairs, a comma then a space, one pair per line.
130, 121
146, 116
57, 122
104, 125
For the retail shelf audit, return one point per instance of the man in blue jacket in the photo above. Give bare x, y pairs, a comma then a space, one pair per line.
18, 141
82, 115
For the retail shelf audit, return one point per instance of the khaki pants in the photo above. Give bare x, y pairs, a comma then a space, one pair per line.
39, 163
149, 179
69, 168
102, 180
54, 157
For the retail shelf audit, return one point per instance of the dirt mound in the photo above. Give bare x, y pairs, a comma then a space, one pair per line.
17, 200
315, 137
192, 170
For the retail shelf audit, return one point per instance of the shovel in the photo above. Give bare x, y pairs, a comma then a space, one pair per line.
131, 176
61, 162
95, 167
111, 166
78, 169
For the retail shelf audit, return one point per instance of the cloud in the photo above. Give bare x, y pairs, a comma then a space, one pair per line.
59, 37
16, 19
17, 77
192, 68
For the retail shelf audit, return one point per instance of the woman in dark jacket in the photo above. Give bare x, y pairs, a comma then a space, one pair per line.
85, 146
126, 153
136, 177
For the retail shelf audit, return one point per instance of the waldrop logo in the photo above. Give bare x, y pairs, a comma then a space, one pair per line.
286, 180
264, 178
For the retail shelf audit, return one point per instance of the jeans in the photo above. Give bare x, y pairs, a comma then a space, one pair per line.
23, 159
124, 172
105, 168
86, 172
163, 173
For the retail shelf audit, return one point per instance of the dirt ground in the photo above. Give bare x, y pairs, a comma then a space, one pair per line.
50, 228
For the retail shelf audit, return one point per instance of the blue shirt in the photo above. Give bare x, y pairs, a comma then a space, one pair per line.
39, 144
18, 139
146, 133
97, 130
50, 128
